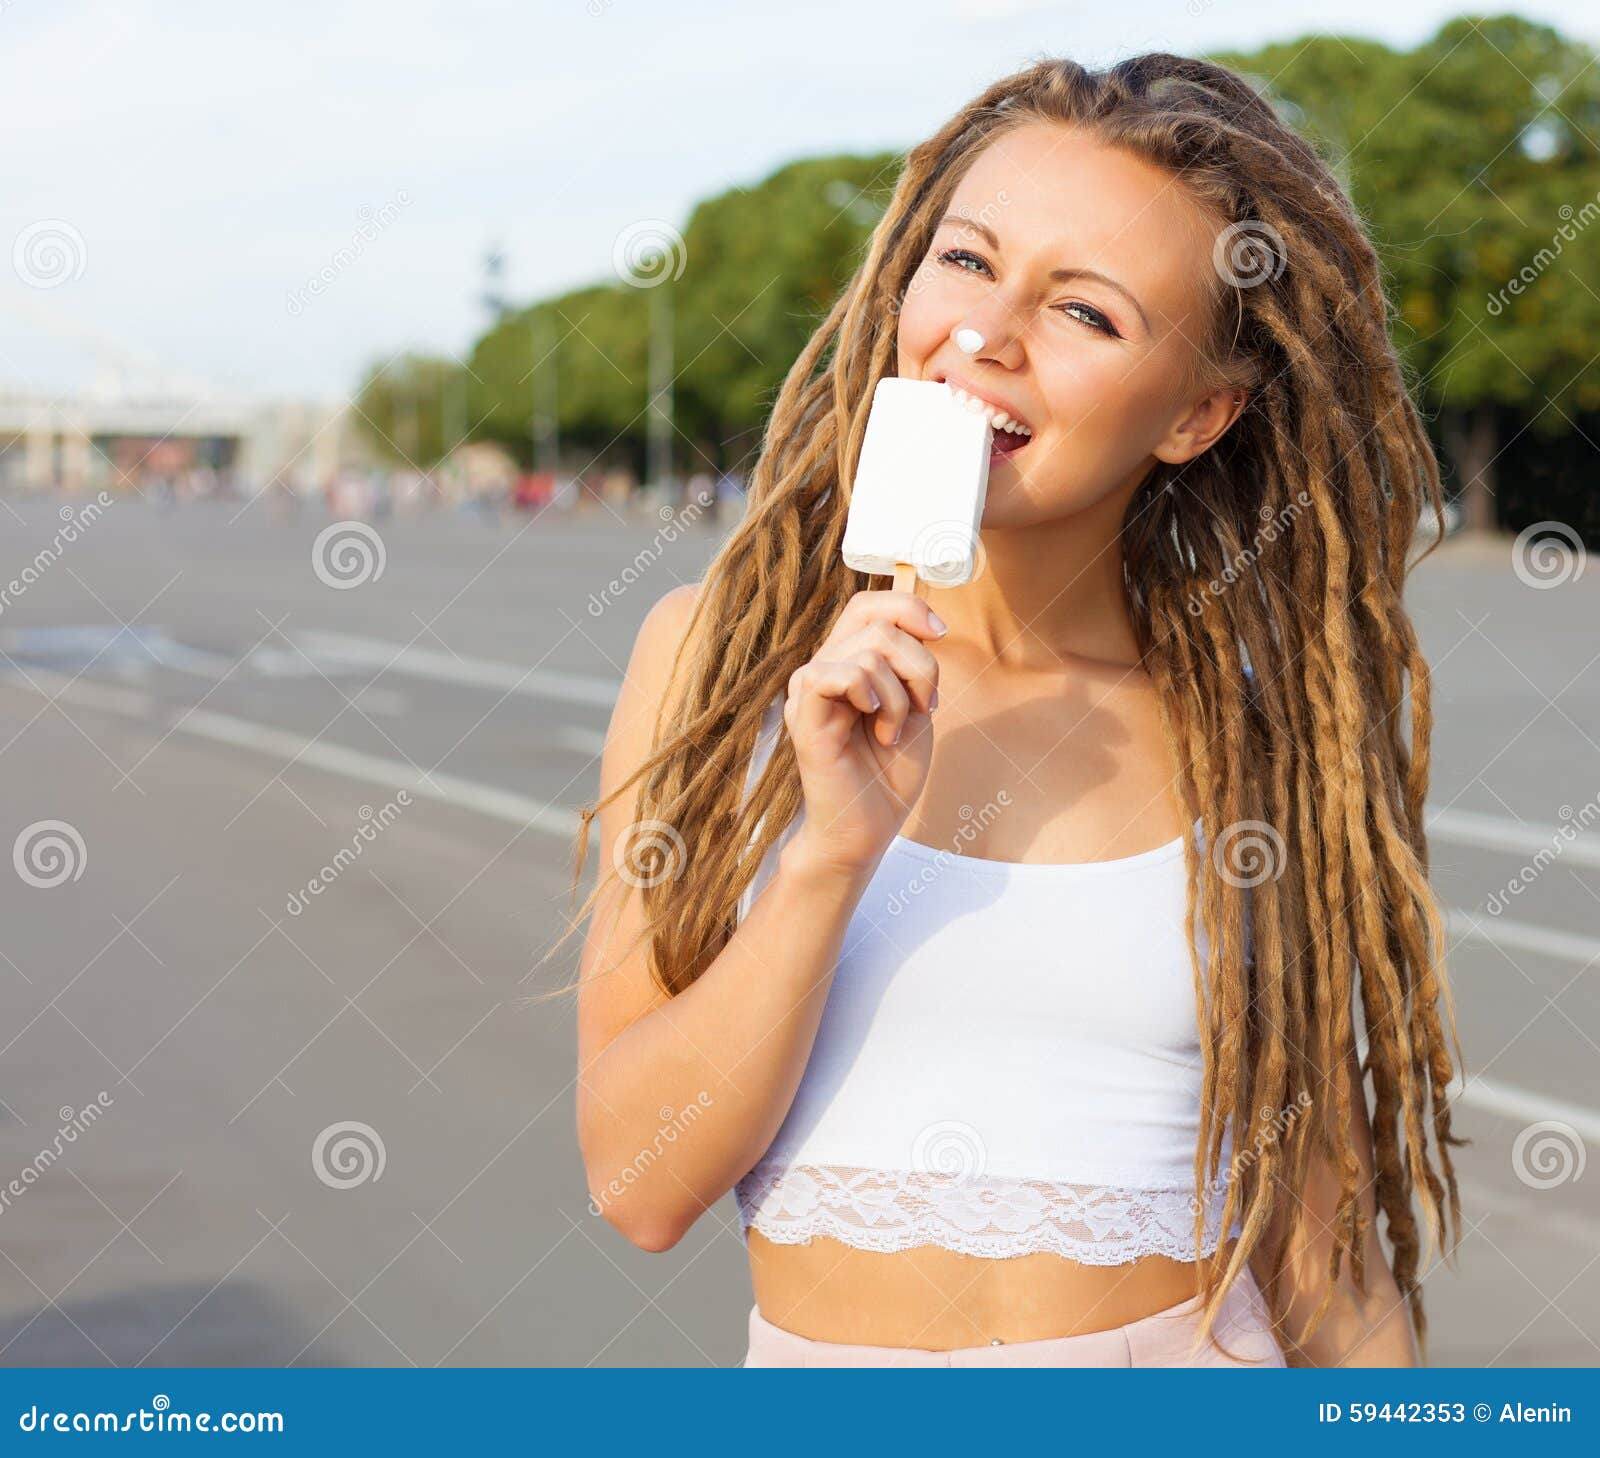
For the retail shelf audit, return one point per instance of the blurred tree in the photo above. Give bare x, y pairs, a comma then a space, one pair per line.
765, 266
410, 408
1474, 162
753, 273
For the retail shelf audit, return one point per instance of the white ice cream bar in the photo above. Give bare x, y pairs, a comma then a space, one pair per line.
920, 483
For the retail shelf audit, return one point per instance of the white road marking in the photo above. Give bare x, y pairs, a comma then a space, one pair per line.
543, 683
1522, 936
585, 741
1501, 833
519, 810
1526, 1207
1520, 1103
129, 702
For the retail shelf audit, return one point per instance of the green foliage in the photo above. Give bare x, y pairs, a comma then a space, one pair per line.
1472, 160
410, 409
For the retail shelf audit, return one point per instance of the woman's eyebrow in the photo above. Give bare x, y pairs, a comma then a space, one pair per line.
1058, 275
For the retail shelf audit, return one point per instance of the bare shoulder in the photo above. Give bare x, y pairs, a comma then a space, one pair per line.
657, 646
609, 1004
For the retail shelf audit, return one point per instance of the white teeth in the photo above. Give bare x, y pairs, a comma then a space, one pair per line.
998, 419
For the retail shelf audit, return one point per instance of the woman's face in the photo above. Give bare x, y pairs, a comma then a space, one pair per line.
1094, 365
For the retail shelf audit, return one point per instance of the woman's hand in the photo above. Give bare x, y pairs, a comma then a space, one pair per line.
858, 716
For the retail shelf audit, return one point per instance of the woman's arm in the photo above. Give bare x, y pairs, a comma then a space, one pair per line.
679, 1097
1359, 1330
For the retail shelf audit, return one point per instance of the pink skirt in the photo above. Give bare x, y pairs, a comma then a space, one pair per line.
1164, 1339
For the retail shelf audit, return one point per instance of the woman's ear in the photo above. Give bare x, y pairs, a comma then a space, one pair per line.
1203, 426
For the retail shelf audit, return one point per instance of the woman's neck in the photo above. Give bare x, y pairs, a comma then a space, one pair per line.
1050, 596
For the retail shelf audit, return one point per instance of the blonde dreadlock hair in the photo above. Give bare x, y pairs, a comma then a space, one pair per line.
1303, 756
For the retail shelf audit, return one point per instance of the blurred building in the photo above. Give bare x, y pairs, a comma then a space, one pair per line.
123, 439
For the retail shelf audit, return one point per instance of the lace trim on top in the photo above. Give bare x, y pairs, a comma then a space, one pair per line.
893, 1210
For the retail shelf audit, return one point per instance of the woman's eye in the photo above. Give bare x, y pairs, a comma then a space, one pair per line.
951, 254
1095, 319
1090, 316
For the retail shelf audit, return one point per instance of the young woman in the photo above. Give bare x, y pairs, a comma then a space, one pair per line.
998, 943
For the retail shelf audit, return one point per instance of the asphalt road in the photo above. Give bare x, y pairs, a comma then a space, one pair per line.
268, 1124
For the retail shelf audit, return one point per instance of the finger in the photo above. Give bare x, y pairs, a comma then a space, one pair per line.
819, 686
911, 660
896, 702
905, 610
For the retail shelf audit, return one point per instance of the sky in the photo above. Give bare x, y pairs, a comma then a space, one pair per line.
179, 174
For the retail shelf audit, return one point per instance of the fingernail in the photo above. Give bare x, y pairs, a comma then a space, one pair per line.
938, 623
897, 734
933, 699
877, 703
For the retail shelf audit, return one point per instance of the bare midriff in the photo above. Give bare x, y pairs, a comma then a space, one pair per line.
939, 1300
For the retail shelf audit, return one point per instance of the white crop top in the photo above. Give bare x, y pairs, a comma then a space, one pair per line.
1008, 1061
